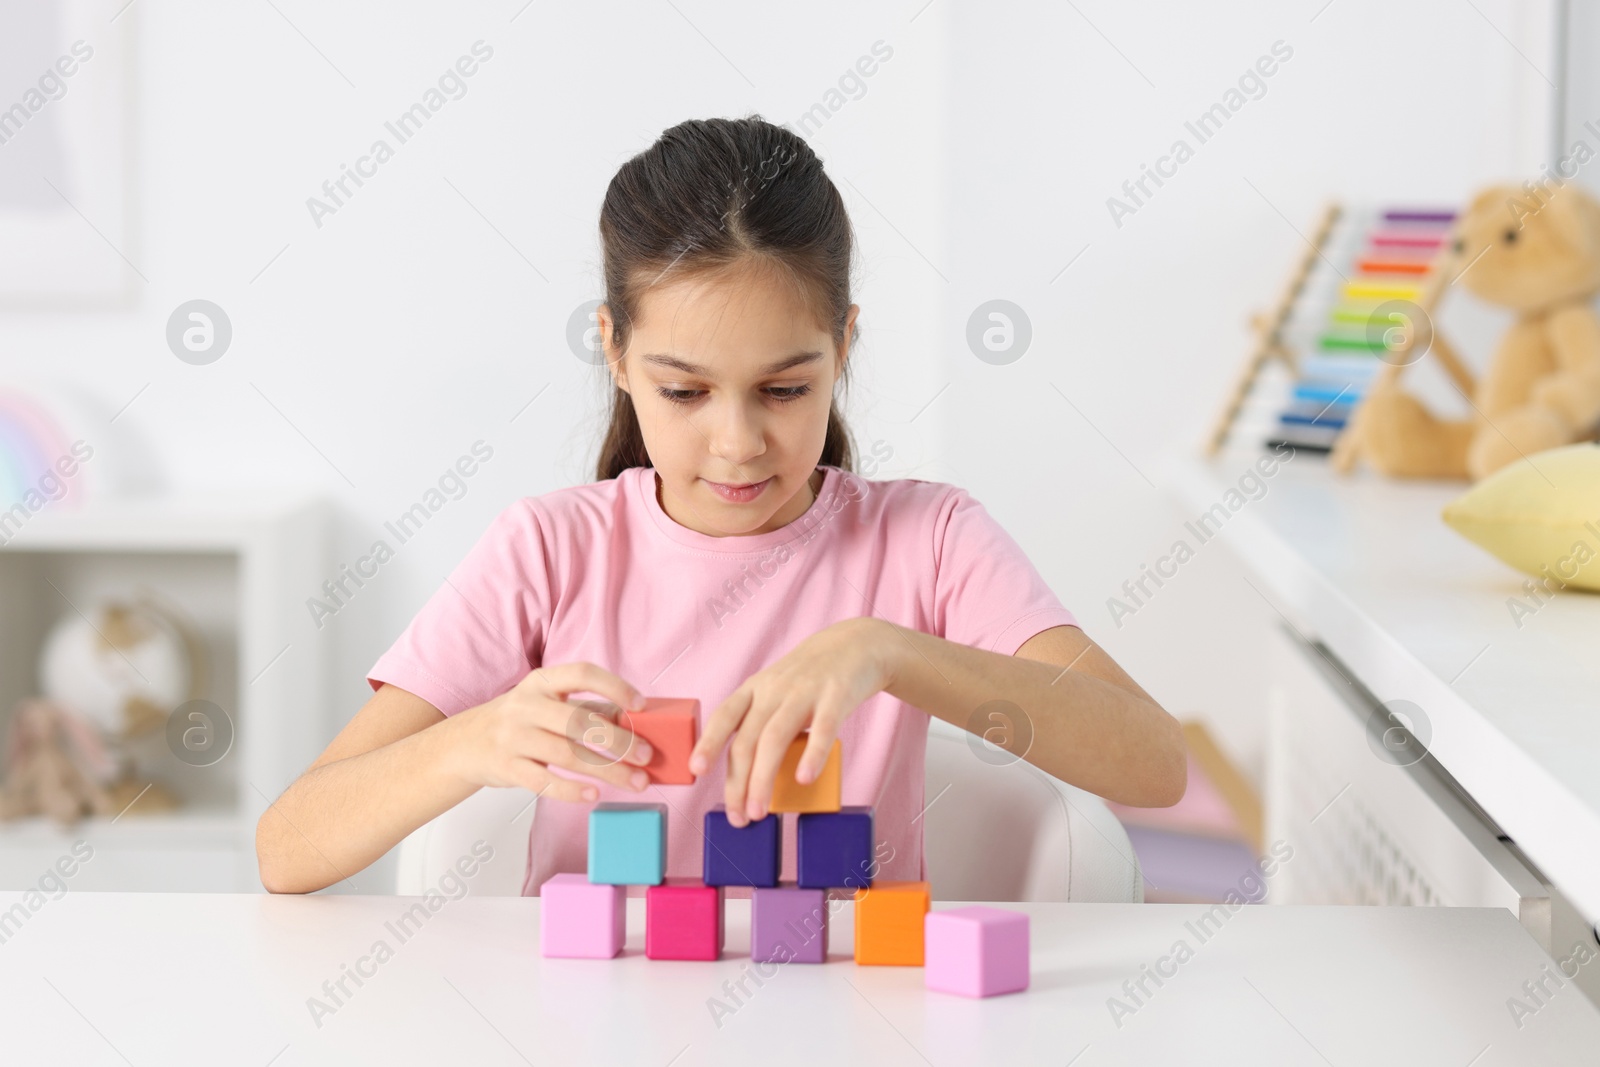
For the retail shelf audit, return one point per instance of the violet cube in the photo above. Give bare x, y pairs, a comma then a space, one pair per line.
741, 855
833, 849
581, 919
975, 951
789, 925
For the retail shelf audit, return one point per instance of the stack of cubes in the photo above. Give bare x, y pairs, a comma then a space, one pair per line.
974, 951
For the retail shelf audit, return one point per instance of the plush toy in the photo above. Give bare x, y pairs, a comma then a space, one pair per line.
1538, 255
55, 765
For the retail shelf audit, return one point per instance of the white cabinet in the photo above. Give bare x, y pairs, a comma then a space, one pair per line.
241, 568
1385, 619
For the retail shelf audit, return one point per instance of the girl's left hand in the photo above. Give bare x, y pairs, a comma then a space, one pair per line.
818, 685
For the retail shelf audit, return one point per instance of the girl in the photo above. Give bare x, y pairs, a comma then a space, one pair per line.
726, 553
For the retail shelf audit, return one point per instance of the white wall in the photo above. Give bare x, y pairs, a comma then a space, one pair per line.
1385, 103
376, 349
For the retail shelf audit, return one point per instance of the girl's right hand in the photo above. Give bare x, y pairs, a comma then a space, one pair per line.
514, 739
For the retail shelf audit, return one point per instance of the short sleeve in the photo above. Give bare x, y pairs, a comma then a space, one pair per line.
483, 630
987, 593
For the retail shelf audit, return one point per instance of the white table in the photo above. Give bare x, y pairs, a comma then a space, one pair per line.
122, 978
1365, 565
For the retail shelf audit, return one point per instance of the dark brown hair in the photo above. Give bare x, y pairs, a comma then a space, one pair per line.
710, 196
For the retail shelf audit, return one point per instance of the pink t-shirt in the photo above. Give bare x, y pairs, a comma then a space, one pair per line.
600, 573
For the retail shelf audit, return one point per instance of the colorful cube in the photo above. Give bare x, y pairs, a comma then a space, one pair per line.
833, 849
628, 843
742, 855
821, 794
672, 726
683, 920
789, 925
889, 923
976, 951
581, 920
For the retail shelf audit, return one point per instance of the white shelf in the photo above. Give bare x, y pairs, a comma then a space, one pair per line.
182, 829
207, 522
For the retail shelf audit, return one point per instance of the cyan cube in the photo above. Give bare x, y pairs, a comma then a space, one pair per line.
833, 849
628, 843
742, 855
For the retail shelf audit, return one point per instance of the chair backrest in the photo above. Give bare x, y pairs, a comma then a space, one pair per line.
995, 831
1000, 829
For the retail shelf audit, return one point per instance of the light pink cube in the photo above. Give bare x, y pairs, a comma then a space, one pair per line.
975, 951
582, 919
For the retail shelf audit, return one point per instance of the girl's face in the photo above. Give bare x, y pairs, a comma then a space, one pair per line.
731, 378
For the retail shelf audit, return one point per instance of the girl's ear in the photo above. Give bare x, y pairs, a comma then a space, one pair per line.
849, 333
613, 352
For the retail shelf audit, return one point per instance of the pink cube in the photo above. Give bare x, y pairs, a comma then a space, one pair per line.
683, 920
976, 951
582, 919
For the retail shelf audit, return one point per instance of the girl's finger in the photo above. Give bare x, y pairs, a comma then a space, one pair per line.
781, 729
595, 724
819, 742
564, 679
741, 753
719, 724
556, 750
537, 778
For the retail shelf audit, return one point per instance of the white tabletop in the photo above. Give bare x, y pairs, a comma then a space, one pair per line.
1366, 565
125, 978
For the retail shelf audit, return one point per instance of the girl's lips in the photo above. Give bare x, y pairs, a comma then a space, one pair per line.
739, 494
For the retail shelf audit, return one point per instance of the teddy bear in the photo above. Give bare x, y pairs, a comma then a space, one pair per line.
54, 765
1536, 253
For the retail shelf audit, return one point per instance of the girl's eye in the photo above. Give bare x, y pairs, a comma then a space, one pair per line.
782, 394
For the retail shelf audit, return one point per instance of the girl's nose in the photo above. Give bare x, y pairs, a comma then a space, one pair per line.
739, 434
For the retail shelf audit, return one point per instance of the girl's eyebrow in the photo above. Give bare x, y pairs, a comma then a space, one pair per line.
776, 367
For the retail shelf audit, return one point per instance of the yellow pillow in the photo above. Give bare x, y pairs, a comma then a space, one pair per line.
1541, 515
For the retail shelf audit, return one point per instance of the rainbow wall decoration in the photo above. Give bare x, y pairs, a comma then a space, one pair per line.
1376, 296
32, 442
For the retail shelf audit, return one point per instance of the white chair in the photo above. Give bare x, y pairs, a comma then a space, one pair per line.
994, 832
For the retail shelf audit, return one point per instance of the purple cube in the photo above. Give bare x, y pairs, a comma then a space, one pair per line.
582, 919
741, 855
833, 849
789, 925
975, 951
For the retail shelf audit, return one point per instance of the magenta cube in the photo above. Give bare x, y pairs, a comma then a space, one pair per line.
683, 920
788, 925
975, 951
581, 919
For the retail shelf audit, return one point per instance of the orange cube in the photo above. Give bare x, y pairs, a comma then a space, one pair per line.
889, 917
822, 794
672, 726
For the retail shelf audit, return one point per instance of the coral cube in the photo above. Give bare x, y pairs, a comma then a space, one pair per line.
672, 726
789, 925
683, 920
976, 951
742, 855
821, 794
889, 923
579, 919
628, 843
833, 849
